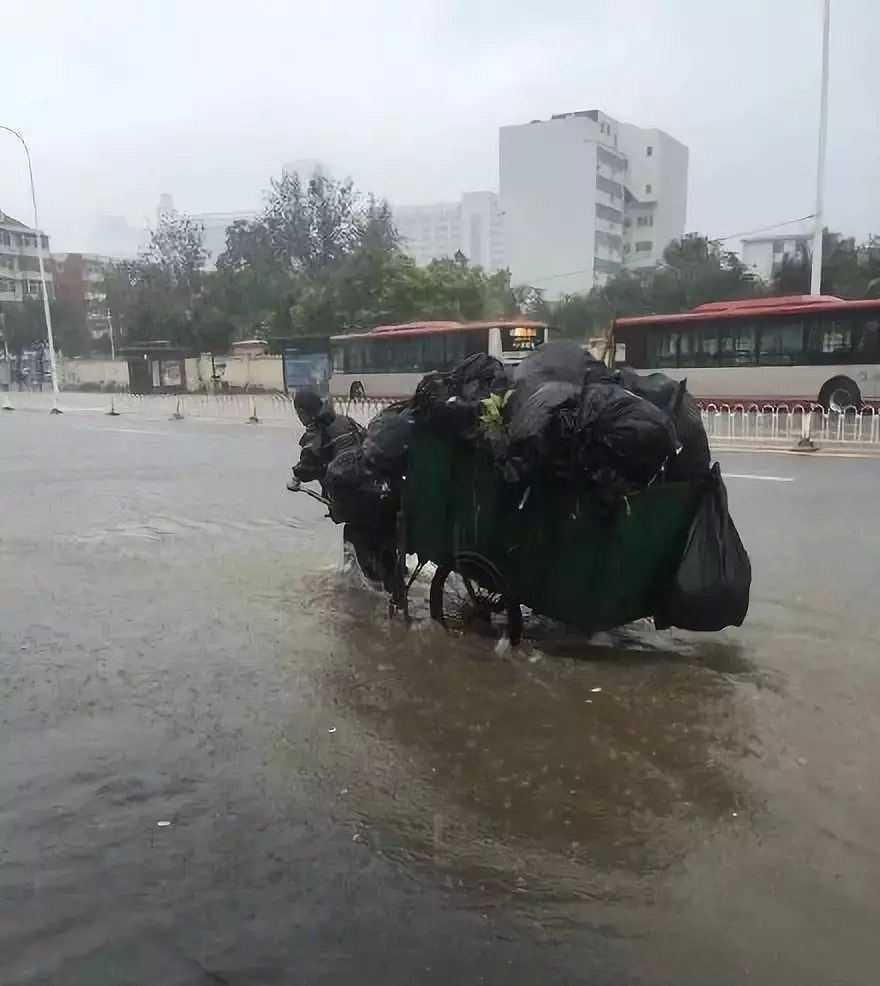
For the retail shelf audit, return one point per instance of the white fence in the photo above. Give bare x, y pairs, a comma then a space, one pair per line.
739, 424
784, 425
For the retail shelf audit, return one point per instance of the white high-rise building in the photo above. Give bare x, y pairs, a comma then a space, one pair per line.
472, 227
584, 196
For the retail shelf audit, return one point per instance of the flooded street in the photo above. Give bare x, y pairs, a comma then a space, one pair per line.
350, 800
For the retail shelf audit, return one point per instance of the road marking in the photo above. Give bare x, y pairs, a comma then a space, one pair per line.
125, 431
767, 479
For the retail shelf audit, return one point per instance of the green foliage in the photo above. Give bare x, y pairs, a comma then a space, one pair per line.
160, 295
492, 414
24, 325
849, 269
694, 270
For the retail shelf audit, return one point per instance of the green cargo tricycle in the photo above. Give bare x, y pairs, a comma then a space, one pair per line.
550, 548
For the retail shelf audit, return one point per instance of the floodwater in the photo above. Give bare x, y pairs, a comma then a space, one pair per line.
220, 762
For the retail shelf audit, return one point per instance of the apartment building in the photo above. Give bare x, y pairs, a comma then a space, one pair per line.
472, 226
79, 283
765, 255
584, 196
20, 250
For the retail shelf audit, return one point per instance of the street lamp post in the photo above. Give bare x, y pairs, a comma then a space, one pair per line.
818, 225
47, 313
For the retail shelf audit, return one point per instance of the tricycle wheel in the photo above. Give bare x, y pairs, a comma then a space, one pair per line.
486, 594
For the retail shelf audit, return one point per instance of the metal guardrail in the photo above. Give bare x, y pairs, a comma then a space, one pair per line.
749, 424
789, 425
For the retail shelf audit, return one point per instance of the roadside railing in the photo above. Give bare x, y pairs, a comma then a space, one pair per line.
752, 425
790, 425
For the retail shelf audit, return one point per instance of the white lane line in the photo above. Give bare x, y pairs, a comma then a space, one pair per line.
767, 479
126, 431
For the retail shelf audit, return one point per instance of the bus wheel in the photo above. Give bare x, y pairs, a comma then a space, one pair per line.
356, 391
839, 394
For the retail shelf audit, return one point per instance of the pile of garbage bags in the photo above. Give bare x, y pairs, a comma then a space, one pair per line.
566, 418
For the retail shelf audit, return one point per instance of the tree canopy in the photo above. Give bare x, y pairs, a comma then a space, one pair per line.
322, 258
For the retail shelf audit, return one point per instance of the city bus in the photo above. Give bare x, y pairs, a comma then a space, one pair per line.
390, 360
801, 349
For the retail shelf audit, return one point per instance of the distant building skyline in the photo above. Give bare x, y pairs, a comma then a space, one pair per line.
471, 226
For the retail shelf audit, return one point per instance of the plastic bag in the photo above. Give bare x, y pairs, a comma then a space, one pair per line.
693, 459
710, 590
561, 361
538, 429
476, 377
386, 446
617, 429
451, 403
660, 390
358, 495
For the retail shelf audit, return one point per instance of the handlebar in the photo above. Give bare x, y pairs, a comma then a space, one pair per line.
312, 494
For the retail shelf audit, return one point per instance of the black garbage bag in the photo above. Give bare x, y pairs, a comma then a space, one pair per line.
660, 390
450, 403
386, 445
476, 377
358, 495
562, 361
710, 590
693, 459
538, 430
618, 430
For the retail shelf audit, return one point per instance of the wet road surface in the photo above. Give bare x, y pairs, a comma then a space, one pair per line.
354, 801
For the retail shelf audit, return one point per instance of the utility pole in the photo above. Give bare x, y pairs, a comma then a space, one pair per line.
818, 223
47, 313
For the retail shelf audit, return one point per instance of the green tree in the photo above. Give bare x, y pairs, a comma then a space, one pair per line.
162, 294
849, 269
694, 270
24, 327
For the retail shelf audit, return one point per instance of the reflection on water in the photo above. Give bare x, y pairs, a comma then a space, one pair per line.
511, 772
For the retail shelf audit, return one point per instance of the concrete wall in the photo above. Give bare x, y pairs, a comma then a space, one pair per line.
237, 373
92, 374
250, 373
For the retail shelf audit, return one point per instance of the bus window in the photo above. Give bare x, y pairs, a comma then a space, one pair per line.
433, 353
868, 338
830, 339
405, 355
338, 354
699, 346
781, 344
706, 344
460, 345
686, 349
356, 357
663, 348
736, 345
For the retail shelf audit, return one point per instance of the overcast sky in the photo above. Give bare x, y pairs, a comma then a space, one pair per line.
121, 101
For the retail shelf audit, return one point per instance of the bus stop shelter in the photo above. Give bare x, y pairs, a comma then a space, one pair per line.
156, 367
